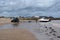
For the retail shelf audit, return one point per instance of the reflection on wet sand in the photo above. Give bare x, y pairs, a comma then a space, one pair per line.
15, 24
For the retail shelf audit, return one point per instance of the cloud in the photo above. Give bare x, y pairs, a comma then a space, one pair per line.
44, 3
24, 3
27, 7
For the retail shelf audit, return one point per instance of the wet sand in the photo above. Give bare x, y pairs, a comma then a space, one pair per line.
16, 34
38, 29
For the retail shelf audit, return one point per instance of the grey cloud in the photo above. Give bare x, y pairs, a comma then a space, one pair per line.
29, 7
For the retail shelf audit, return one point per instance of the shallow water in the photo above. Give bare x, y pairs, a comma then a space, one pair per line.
38, 29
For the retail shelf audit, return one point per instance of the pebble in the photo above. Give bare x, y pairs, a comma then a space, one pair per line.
54, 31
45, 27
50, 27
54, 34
50, 32
58, 36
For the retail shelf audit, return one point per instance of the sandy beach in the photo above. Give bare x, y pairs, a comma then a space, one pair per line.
16, 34
29, 31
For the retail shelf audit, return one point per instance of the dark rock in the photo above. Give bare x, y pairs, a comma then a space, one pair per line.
50, 27
54, 34
45, 27
50, 32
15, 20
54, 31
58, 36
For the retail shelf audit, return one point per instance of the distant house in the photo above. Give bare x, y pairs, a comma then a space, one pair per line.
35, 16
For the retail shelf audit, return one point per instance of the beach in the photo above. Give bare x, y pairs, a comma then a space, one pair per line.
32, 30
16, 34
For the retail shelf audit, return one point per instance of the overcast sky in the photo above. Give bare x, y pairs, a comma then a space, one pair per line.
24, 3
17, 7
